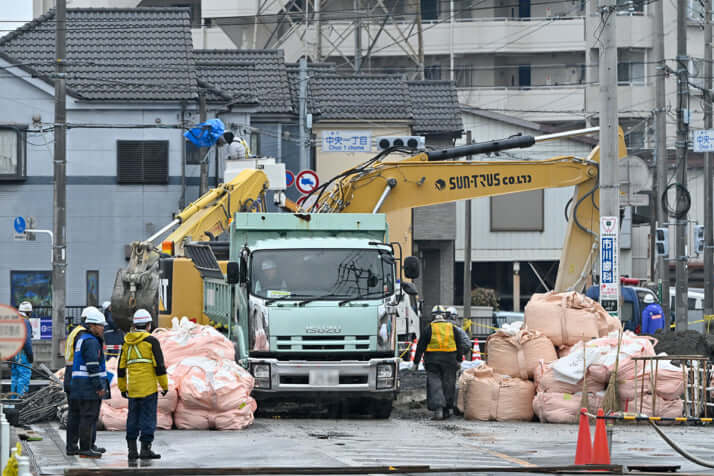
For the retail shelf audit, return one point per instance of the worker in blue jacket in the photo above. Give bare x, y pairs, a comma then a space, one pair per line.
21, 373
113, 336
652, 316
89, 384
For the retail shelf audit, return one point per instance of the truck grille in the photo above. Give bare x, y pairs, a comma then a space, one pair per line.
322, 343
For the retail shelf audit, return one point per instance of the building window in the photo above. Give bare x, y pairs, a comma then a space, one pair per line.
12, 153
630, 66
93, 288
193, 153
432, 72
143, 162
429, 9
464, 76
521, 211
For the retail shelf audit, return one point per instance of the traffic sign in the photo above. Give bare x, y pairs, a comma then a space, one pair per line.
307, 181
289, 178
609, 273
703, 140
301, 200
20, 225
12, 332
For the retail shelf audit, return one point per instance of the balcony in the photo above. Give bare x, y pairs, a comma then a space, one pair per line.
241, 8
211, 38
633, 100
537, 103
633, 31
480, 35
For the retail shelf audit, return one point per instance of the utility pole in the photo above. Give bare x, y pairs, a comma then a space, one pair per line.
318, 32
358, 36
682, 278
660, 151
59, 225
708, 198
203, 186
609, 190
420, 40
467, 249
302, 117
451, 40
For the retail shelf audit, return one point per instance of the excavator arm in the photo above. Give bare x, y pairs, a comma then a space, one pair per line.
137, 285
429, 178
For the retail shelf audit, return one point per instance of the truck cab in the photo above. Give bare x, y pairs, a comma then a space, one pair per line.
311, 304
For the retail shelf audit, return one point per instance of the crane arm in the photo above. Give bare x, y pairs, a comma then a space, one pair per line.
381, 186
212, 212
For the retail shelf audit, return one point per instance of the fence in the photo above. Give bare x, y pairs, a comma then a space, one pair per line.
71, 315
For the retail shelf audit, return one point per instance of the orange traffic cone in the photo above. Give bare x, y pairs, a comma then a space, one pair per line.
475, 351
412, 352
584, 450
601, 454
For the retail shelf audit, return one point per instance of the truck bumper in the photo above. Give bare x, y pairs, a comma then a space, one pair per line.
317, 376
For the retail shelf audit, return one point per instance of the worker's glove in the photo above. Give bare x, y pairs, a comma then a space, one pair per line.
164, 392
125, 394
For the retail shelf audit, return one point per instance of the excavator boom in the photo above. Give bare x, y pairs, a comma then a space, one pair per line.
427, 179
137, 285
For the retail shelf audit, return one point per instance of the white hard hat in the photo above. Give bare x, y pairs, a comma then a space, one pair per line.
142, 316
87, 310
25, 306
438, 309
452, 310
268, 264
105, 305
95, 316
649, 299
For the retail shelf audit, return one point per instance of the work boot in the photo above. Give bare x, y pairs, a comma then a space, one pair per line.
72, 450
133, 452
90, 453
146, 452
438, 414
447, 413
99, 449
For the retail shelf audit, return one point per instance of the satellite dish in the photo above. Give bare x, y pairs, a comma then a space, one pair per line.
633, 176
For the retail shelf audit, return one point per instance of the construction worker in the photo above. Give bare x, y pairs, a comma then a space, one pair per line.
72, 437
463, 341
237, 146
22, 372
141, 367
652, 316
89, 384
268, 279
113, 336
438, 345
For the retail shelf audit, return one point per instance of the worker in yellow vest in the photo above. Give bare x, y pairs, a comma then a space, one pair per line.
439, 344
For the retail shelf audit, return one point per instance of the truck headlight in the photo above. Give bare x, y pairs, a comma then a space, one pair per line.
385, 376
261, 372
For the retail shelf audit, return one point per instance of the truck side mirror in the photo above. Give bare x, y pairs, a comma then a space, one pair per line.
411, 267
409, 288
232, 272
243, 278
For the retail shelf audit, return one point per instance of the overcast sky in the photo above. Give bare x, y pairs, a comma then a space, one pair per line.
14, 13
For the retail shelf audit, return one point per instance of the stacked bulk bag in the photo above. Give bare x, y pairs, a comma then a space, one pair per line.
518, 355
488, 395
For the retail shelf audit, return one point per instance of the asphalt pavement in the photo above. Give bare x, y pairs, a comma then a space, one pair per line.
401, 440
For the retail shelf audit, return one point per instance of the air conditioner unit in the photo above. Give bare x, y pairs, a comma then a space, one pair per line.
408, 142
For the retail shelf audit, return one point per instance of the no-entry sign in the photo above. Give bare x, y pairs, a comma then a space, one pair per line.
12, 332
307, 181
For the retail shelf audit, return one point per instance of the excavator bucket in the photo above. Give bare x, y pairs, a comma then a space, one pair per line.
137, 285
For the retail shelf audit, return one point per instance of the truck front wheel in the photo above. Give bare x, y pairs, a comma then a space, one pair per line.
382, 408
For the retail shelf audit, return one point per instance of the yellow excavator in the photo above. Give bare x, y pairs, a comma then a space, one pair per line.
167, 283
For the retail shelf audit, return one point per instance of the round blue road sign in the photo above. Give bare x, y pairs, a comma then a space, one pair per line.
289, 178
20, 225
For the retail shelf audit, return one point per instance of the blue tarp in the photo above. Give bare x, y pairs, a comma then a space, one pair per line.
205, 134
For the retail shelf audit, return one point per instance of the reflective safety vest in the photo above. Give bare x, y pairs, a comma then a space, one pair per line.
442, 337
69, 345
79, 366
133, 356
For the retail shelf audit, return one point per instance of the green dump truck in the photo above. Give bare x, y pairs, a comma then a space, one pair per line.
311, 304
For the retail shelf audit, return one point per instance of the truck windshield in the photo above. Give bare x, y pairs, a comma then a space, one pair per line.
335, 274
